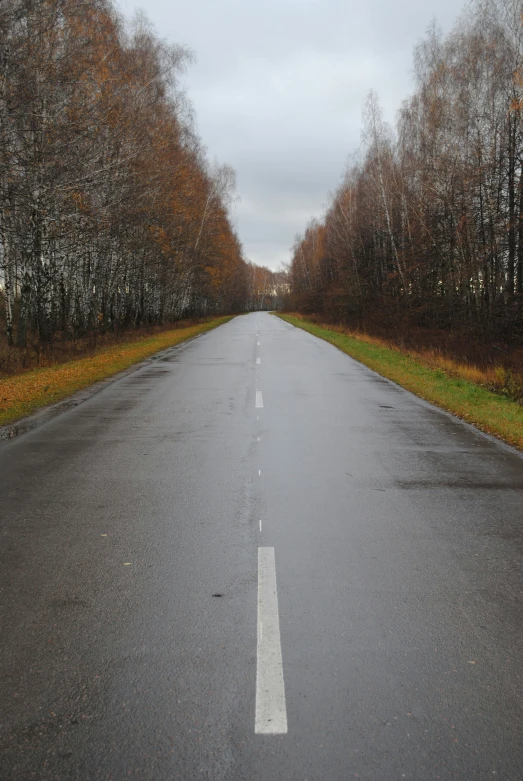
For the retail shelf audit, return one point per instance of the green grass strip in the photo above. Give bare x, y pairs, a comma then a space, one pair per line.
22, 394
486, 410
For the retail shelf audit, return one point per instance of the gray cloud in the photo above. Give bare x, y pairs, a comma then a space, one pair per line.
278, 89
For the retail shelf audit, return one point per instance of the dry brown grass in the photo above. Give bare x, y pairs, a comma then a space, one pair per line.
458, 388
496, 378
23, 393
15, 359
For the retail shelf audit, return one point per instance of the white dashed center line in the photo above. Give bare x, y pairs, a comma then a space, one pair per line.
258, 361
271, 711
259, 399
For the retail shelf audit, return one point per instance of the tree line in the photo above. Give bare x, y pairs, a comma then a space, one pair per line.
426, 227
268, 289
110, 215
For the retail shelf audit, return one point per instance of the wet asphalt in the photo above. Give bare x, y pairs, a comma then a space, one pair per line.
398, 539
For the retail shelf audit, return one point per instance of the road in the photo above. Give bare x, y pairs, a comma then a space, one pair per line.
256, 560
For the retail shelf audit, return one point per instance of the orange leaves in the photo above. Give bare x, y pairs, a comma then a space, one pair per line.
128, 224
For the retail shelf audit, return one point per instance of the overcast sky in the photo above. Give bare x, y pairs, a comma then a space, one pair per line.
278, 88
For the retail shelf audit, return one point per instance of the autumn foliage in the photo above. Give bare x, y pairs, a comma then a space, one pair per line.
425, 232
110, 216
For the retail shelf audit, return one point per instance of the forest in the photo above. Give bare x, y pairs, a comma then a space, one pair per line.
422, 242
111, 217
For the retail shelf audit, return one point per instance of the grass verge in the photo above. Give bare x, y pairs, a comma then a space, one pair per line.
489, 411
22, 394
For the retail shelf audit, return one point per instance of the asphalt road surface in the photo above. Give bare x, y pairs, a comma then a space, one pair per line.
255, 559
